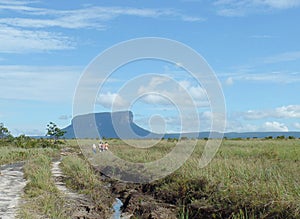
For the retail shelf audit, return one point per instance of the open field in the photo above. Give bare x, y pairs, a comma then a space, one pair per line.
41, 199
246, 179
22, 148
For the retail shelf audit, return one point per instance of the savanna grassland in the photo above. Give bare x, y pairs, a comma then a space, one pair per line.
255, 178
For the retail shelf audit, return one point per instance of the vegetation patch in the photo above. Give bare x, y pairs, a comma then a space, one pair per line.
246, 179
254, 178
11, 154
82, 178
42, 198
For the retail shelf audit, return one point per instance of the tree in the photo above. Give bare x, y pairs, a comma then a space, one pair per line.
3, 131
54, 132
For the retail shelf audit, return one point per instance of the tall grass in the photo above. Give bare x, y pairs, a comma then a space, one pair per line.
83, 179
42, 198
246, 179
11, 154
21, 148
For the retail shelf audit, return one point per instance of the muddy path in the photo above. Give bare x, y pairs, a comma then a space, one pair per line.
141, 203
12, 183
139, 200
131, 200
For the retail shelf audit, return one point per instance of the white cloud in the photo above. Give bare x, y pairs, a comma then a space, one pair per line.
283, 112
283, 57
262, 36
238, 126
18, 6
109, 100
269, 126
174, 124
254, 115
272, 77
166, 91
89, 17
198, 93
257, 120
290, 111
275, 126
192, 19
15, 40
28, 132
279, 4
47, 83
296, 125
229, 81
22, 26
156, 99
229, 12
207, 118
233, 8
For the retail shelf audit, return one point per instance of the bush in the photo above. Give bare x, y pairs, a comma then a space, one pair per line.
26, 142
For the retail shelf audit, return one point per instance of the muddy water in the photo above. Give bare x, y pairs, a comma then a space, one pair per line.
12, 183
78, 203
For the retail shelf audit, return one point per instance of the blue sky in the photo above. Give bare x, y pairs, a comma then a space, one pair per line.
252, 46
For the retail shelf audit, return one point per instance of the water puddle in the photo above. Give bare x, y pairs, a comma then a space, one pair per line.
79, 201
12, 183
117, 209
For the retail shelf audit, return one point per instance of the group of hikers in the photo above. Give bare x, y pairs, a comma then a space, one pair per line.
101, 146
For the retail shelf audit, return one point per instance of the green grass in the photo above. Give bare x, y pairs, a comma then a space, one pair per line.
14, 149
83, 179
11, 154
42, 198
246, 179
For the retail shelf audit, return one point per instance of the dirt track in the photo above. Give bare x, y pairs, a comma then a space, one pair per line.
12, 184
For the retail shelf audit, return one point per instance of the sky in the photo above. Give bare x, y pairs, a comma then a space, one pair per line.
251, 45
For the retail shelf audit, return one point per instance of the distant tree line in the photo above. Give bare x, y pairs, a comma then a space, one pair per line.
23, 141
4, 133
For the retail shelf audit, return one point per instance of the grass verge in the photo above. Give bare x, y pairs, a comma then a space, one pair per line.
83, 179
246, 179
254, 178
10, 154
41, 199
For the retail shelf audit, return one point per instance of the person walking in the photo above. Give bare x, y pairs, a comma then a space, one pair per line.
101, 146
106, 146
94, 149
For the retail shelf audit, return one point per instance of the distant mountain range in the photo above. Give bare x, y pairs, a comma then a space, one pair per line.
121, 125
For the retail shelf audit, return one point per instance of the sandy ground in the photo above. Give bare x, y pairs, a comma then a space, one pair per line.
12, 183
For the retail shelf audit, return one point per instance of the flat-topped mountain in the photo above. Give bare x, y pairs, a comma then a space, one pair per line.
108, 125
121, 125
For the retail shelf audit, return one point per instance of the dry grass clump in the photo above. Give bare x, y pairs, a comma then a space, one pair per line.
41, 199
82, 178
